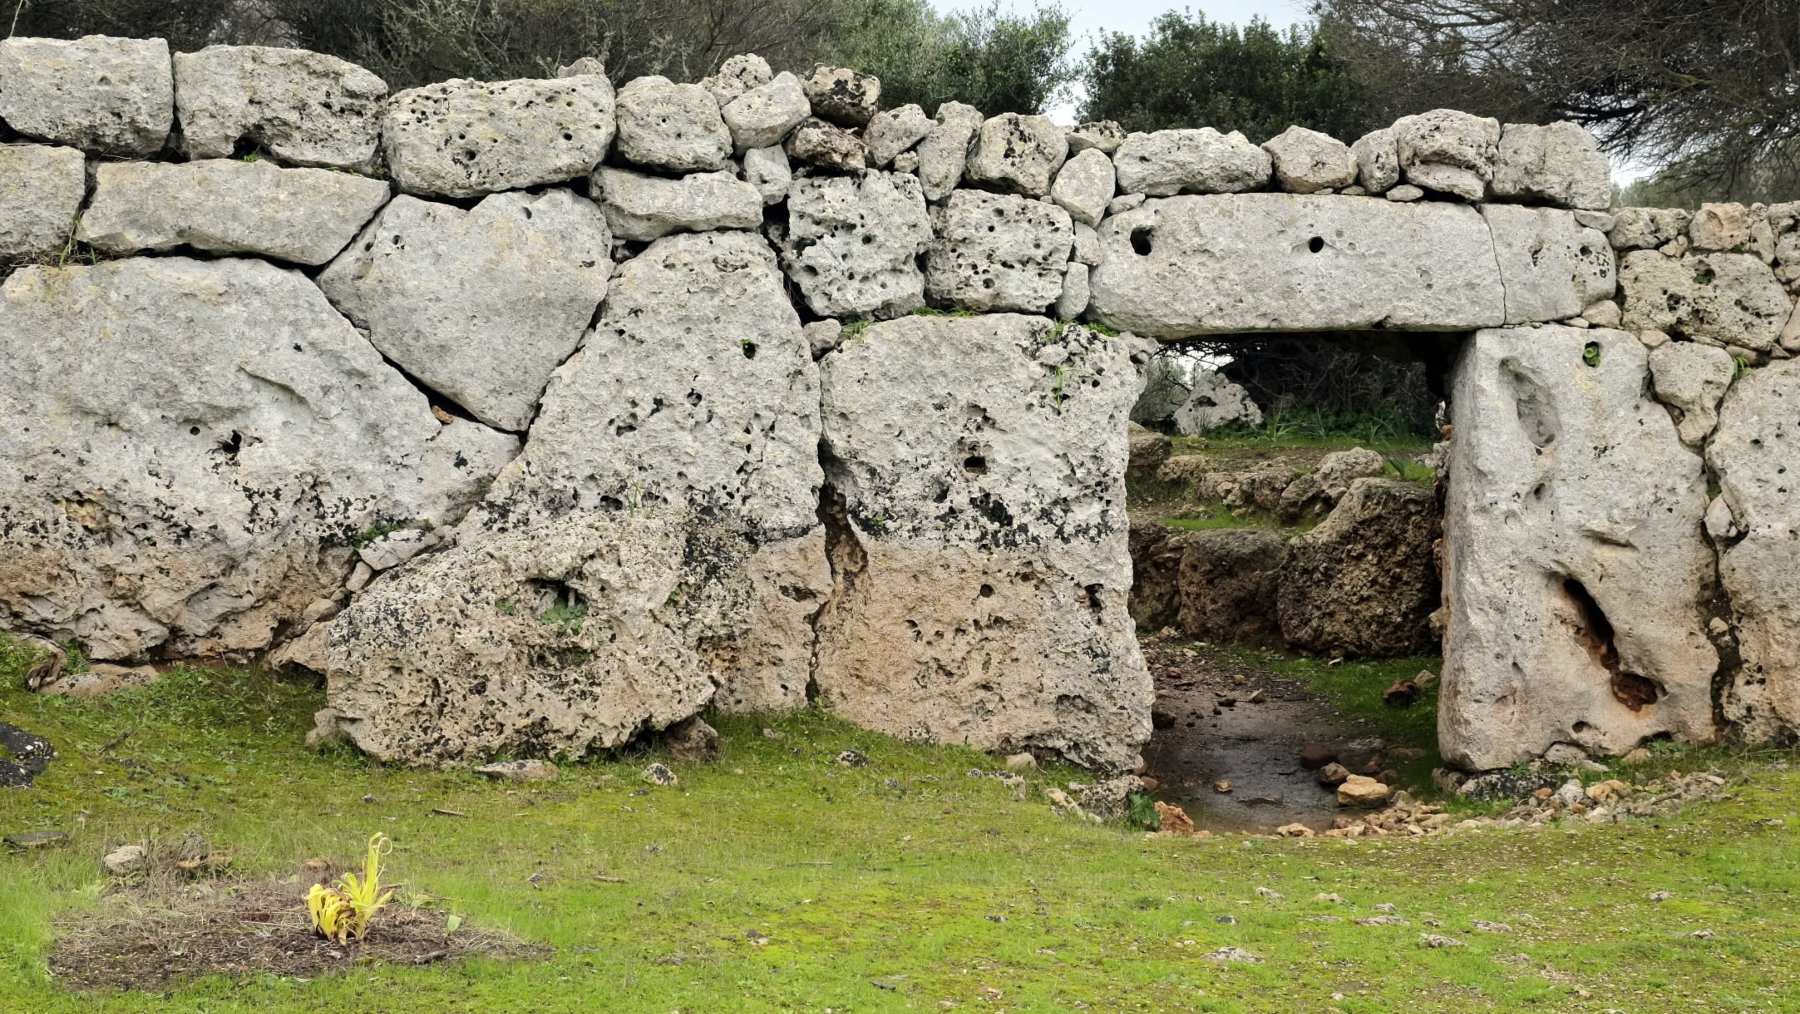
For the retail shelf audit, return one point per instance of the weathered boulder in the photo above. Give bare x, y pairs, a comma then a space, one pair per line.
1229, 585
1104, 136
853, 243
1364, 582
892, 131
762, 116
737, 75
479, 304
642, 207
1221, 264
1691, 378
998, 252
945, 150
1718, 298
97, 93
1074, 299
1155, 575
983, 559
41, 190
1752, 453
199, 445
1214, 401
1550, 267
1731, 228
1085, 186
1017, 153
1647, 228
225, 206
1448, 151
1307, 161
1556, 163
672, 127
845, 97
303, 108
1203, 161
827, 146
1576, 568
1339, 469
1377, 155
768, 171
468, 138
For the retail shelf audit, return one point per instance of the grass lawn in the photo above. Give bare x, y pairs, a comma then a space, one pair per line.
777, 879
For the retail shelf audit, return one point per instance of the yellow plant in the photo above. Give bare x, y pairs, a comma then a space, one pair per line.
339, 913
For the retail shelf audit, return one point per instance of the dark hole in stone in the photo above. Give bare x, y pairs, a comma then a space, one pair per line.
1316, 244
987, 591
1093, 596
1140, 240
749, 349
1595, 632
975, 464
232, 444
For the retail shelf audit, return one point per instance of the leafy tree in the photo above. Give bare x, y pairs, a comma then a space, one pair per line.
1709, 89
1189, 71
994, 60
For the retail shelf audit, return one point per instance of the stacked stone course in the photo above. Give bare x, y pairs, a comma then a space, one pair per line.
540, 413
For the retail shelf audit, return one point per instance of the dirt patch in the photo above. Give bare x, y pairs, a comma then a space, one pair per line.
1222, 720
146, 936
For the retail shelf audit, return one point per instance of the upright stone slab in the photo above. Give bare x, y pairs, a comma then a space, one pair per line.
97, 93
1577, 571
468, 138
225, 206
305, 109
195, 448
479, 304
656, 547
982, 561
41, 190
853, 243
1753, 453
1193, 265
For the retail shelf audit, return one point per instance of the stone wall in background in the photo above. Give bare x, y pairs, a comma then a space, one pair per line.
537, 414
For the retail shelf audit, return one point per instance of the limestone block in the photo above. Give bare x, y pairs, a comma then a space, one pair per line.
1753, 455
1084, 186
845, 97
853, 243
737, 75
893, 131
945, 150
225, 206
768, 171
465, 138
1074, 299
762, 116
1104, 136
983, 561
641, 207
98, 93
1555, 163
998, 252
1017, 153
1647, 228
1192, 265
41, 190
1448, 151
1718, 298
1733, 227
302, 108
203, 442
1229, 585
1377, 155
481, 304
1213, 402
825, 145
1550, 267
673, 127
1691, 378
1307, 161
1576, 568
1364, 582
1201, 161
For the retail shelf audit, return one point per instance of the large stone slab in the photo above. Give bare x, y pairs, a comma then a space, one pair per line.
98, 93
303, 108
982, 559
41, 190
225, 206
998, 252
480, 304
853, 243
642, 207
1576, 568
1753, 453
1200, 161
1193, 265
195, 447
466, 138
1551, 268
664, 517
1717, 298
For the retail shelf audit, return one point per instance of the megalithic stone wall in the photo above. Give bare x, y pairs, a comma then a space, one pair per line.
537, 414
